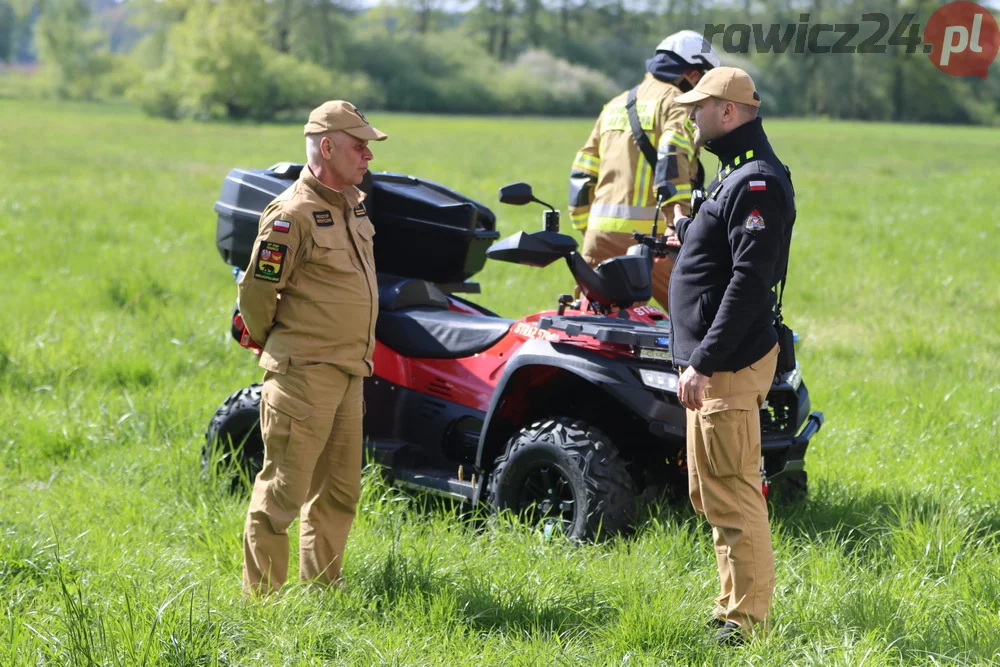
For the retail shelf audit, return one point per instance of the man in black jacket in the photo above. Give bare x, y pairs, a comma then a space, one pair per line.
732, 254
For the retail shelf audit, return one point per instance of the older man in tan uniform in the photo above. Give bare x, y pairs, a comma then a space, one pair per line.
309, 298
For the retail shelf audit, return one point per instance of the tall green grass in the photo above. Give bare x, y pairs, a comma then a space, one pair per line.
116, 550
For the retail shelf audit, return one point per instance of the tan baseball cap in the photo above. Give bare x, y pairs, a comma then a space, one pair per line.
725, 83
344, 116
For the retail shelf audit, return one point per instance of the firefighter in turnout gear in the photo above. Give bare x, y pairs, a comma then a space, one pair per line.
641, 150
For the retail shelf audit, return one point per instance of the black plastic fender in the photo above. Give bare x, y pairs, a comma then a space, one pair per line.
619, 378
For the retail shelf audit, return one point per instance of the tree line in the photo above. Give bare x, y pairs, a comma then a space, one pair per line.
262, 59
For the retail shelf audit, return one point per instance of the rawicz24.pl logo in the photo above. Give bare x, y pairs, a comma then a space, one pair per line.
961, 38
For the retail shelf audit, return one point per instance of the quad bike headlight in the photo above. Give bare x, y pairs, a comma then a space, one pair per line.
794, 377
660, 380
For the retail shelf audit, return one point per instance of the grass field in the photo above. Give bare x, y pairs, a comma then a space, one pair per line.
114, 352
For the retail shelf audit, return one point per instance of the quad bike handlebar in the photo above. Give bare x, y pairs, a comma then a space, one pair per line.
619, 282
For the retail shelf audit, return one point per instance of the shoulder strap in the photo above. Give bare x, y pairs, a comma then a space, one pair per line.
645, 146
788, 257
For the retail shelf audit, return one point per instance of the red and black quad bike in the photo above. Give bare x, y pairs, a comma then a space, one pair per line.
568, 417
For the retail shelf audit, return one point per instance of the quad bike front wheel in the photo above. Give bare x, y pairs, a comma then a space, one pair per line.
564, 472
791, 489
233, 441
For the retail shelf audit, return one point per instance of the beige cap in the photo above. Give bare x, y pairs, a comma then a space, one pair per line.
725, 83
343, 116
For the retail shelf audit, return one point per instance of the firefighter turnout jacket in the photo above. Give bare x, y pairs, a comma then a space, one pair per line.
310, 292
612, 186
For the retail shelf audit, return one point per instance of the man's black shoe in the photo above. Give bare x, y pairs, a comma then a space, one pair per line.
715, 623
729, 634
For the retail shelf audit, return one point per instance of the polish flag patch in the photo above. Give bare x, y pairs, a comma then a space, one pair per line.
282, 226
758, 185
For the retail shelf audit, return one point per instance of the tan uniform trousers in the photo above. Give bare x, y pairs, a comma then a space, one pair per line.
311, 422
599, 245
723, 454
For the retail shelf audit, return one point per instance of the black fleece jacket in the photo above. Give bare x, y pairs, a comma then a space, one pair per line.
732, 254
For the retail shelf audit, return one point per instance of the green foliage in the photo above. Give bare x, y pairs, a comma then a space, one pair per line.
8, 25
319, 32
27, 84
115, 547
440, 74
217, 64
262, 59
445, 73
74, 53
538, 82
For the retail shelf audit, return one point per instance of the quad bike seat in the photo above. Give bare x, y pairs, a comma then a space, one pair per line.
414, 320
427, 332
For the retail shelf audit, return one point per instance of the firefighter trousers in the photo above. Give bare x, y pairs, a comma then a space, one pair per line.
723, 455
311, 422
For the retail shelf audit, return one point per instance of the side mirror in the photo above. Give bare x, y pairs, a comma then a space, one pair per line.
516, 194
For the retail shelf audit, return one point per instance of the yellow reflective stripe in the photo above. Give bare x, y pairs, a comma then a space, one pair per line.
639, 183
680, 196
725, 169
623, 211
640, 188
587, 162
627, 225
673, 137
678, 140
648, 196
620, 217
681, 142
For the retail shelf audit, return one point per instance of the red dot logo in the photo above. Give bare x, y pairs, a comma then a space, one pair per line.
963, 39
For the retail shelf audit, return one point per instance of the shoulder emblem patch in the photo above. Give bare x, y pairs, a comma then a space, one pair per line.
323, 218
269, 262
360, 211
282, 226
754, 221
758, 186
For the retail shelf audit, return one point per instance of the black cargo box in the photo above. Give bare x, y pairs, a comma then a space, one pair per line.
423, 230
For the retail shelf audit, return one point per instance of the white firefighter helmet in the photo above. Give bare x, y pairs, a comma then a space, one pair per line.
692, 48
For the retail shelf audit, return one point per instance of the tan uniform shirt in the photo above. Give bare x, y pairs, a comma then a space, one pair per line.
612, 186
310, 292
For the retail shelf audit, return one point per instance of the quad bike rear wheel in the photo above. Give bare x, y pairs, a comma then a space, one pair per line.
564, 472
233, 440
